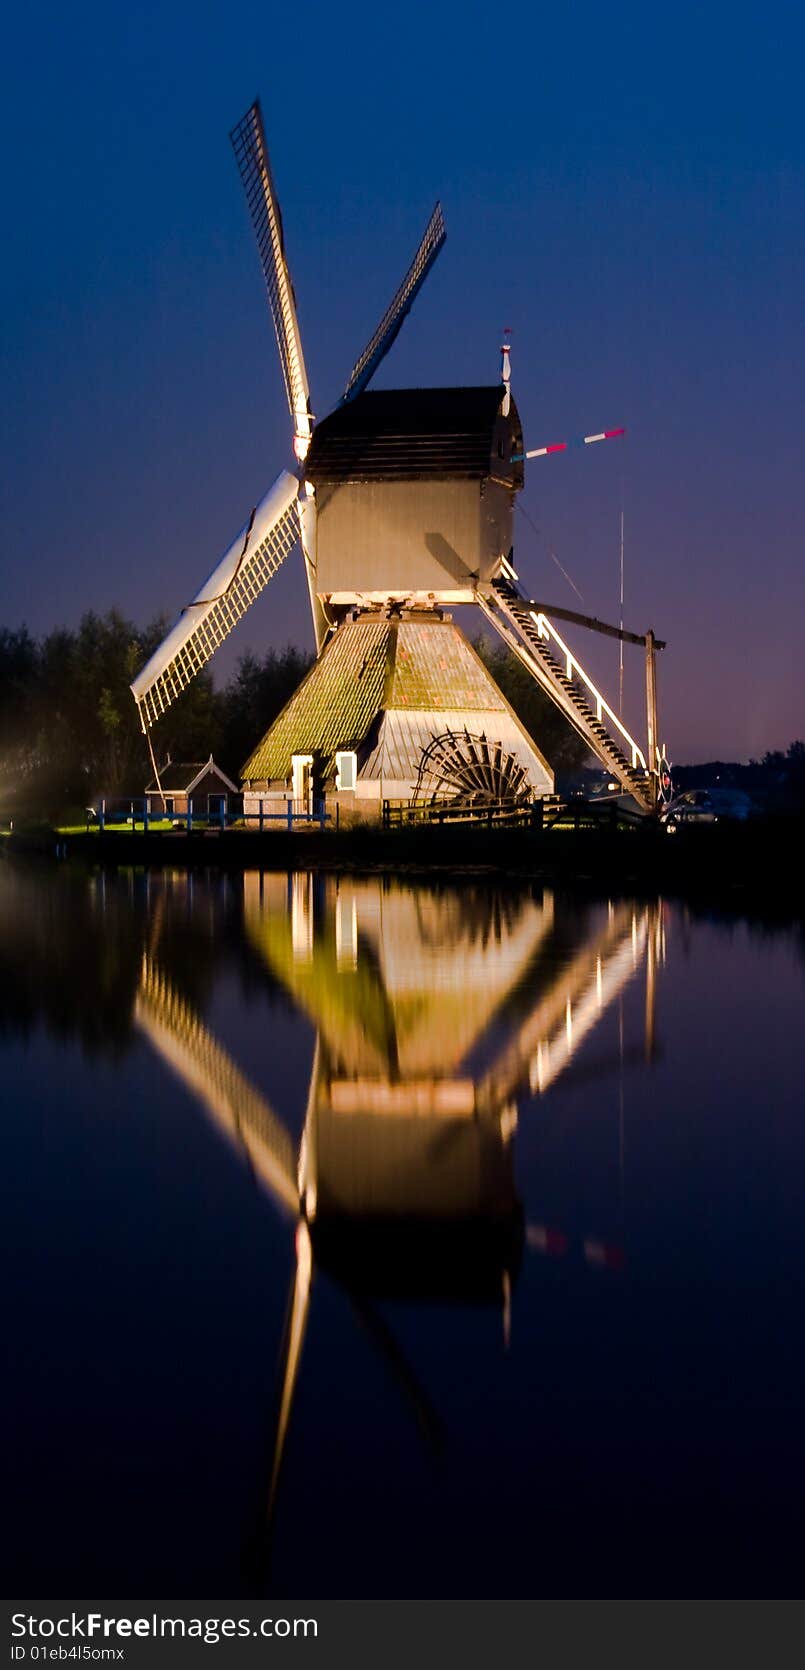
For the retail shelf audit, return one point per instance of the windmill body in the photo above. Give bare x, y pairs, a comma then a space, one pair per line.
402, 501
414, 495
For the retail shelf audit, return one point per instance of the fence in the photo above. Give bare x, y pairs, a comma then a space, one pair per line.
289, 812
399, 812
138, 813
115, 812
549, 812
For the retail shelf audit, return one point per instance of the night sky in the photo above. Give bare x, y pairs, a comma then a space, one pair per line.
624, 187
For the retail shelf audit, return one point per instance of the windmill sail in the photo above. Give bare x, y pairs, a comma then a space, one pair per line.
261, 546
249, 144
399, 307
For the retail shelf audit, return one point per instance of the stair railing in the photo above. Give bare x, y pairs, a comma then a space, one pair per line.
574, 669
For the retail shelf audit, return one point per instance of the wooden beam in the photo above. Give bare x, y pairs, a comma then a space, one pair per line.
651, 705
594, 624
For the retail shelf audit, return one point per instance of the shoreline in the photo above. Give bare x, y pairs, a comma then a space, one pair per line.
739, 866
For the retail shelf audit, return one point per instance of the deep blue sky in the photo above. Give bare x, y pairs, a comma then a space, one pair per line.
624, 186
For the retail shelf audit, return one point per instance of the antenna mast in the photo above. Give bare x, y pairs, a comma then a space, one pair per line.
620, 622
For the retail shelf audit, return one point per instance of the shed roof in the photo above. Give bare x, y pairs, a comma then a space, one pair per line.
408, 433
177, 777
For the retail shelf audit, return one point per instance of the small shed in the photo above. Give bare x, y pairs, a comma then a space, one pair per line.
212, 793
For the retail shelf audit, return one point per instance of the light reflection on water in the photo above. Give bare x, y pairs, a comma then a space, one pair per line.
393, 1239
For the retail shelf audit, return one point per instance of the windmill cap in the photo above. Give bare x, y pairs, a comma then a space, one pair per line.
414, 432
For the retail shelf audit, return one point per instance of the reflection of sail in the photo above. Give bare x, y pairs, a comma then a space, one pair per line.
181, 1038
291, 1353
568, 1011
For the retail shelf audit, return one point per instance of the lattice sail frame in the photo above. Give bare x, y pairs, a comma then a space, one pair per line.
259, 550
400, 305
251, 561
251, 152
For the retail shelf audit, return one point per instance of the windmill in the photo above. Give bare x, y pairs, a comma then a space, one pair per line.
401, 501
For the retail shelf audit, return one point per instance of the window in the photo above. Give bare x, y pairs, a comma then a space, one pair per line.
346, 770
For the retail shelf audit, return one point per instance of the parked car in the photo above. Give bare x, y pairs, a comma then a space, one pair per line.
706, 806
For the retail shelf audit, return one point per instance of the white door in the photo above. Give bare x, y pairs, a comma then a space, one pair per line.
302, 779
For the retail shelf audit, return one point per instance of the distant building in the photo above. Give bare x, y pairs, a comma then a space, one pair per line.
207, 786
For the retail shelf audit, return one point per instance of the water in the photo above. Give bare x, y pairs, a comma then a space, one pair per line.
537, 1326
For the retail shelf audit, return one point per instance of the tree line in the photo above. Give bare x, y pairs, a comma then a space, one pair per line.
69, 729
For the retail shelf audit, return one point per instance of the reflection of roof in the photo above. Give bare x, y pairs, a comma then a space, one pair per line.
176, 776
412, 667
399, 433
425, 977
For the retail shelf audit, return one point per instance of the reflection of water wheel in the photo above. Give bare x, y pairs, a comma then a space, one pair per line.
473, 918
468, 771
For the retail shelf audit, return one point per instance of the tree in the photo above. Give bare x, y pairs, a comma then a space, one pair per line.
19, 674
69, 728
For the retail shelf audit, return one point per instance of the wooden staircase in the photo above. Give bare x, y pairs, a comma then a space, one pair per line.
535, 641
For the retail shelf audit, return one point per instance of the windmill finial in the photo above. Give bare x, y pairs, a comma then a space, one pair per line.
506, 371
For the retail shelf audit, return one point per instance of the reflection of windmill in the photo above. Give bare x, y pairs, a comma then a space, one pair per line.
400, 984
402, 502
403, 1180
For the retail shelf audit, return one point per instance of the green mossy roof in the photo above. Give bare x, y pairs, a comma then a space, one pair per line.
334, 706
369, 666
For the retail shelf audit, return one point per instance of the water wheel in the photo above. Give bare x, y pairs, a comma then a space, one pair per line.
469, 772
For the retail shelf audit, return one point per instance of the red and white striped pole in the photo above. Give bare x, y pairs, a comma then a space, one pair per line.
566, 446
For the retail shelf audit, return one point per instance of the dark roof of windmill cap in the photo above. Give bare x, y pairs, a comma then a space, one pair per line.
409, 433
